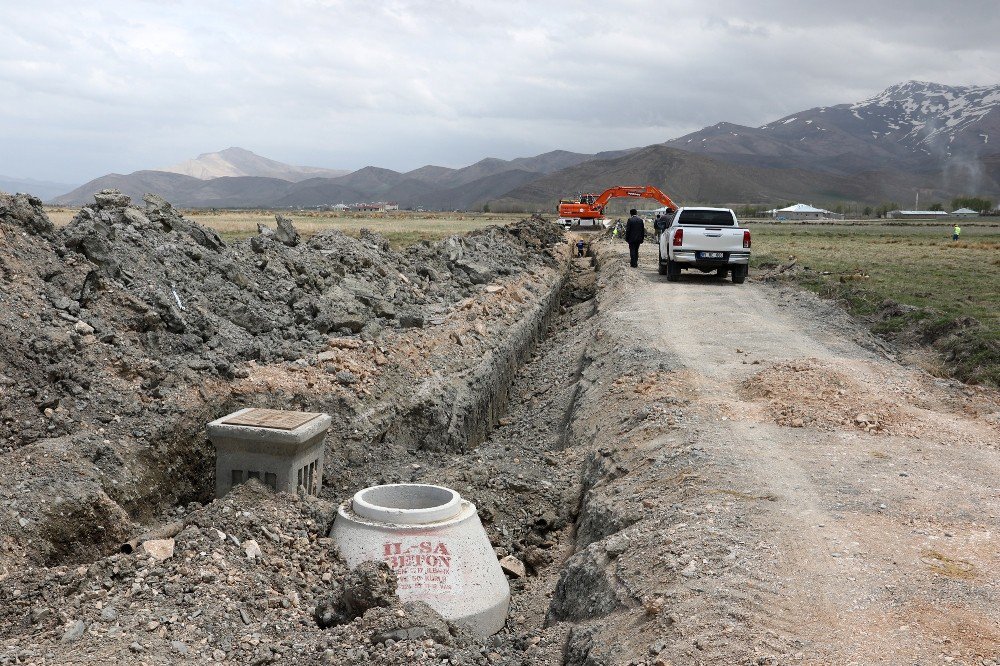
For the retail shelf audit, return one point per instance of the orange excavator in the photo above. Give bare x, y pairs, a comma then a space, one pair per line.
591, 206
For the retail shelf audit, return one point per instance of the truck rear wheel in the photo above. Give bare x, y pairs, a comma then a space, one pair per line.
661, 268
740, 273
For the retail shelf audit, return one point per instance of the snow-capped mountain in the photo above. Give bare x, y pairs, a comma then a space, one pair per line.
931, 116
946, 133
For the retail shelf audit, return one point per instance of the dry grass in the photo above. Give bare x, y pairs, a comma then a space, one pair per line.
402, 228
60, 216
945, 566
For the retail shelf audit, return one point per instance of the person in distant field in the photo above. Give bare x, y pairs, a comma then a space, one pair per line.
635, 233
579, 248
956, 232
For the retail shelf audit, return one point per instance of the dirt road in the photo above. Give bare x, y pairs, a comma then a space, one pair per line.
872, 535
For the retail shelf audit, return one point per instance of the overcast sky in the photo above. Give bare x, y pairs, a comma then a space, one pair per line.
88, 88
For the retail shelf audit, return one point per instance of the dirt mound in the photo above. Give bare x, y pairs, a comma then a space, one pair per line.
812, 393
251, 578
145, 302
242, 581
122, 334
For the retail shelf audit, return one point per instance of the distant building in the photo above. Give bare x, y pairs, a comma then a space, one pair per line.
340, 207
376, 207
915, 214
964, 212
804, 212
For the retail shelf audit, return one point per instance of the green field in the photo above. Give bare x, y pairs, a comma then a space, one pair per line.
911, 263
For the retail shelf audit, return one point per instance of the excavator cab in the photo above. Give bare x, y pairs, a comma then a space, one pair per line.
588, 199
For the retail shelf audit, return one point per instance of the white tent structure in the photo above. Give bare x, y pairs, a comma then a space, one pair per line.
803, 212
964, 212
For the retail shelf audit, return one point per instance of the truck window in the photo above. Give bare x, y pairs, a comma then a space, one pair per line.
707, 218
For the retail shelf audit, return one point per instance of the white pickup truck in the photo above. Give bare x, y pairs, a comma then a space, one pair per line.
706, 239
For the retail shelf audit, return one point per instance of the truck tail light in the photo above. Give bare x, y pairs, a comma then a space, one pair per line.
678, 238
746, 239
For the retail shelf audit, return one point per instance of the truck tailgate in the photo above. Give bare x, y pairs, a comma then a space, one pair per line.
713, 239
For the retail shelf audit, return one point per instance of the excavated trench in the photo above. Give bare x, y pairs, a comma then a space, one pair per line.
129, 329
499, 435
526, 475
502, 432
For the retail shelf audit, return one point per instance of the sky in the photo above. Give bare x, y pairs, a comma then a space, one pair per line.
116, 86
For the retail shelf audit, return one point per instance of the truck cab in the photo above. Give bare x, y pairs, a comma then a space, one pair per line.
707, 240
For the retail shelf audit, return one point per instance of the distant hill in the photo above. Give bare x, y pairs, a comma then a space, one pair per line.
491, 166
698, 179
242, 162
42, 189
230, 192
430, 187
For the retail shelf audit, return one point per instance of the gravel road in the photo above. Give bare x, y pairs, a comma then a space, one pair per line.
873, 535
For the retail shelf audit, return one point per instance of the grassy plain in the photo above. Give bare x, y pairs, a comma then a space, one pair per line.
915, 264
401, 228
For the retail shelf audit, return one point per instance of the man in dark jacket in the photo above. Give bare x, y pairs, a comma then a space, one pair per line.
635, 233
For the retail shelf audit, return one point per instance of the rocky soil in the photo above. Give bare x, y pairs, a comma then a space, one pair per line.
123, 333
683, 473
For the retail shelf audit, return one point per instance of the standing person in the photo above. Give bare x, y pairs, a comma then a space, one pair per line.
956, 232
635, 233
660, 225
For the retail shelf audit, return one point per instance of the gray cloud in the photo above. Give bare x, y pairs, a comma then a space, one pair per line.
128, 85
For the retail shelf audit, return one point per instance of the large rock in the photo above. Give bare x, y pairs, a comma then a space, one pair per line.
369, 585
286, 233
112, 199
479, 273
587, 588
26, 211
419, 621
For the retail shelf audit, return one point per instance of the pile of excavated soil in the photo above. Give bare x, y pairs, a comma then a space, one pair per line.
128, 304
252, 578
831, 396
815, 394
125, 332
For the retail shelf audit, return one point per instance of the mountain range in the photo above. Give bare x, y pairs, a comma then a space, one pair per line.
241, 162
40, 188
911, 137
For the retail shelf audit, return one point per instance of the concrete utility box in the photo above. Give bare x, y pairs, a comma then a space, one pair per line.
284, 450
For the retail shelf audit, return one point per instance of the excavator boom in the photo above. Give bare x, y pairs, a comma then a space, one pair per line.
591, 207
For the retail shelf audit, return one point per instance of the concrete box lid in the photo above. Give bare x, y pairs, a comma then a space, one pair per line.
269, 425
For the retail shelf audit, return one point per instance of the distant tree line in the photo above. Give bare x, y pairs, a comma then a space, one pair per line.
977, 204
